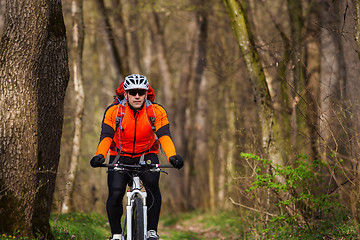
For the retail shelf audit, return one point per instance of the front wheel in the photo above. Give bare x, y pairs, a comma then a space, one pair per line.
138, 219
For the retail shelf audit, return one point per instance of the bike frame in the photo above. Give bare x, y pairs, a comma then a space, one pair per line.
135, 192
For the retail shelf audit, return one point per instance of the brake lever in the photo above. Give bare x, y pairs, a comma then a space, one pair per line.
158, 170
164, 172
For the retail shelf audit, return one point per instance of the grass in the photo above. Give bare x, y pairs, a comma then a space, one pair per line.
75, 226
80, 226
193, 225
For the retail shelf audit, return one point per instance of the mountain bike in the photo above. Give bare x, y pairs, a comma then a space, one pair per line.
135, 222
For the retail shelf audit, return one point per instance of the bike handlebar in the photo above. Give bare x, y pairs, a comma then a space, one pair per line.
136, 166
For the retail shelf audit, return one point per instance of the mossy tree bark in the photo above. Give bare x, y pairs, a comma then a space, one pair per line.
273, 143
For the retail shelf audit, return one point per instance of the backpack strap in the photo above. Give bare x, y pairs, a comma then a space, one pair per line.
151, 115
119, 118
120, 113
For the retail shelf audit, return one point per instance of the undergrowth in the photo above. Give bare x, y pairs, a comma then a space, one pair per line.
301, 204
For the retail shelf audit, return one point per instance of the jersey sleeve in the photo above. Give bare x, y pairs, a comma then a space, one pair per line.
163, 131
108, 129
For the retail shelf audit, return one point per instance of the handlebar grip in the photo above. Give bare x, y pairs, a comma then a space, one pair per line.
107, 165
165, 166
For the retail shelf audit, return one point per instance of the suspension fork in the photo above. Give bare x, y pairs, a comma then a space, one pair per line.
135, 191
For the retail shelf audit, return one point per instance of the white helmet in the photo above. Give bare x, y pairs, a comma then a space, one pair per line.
136, 81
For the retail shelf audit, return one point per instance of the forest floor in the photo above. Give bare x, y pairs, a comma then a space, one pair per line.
198, 226
193, 225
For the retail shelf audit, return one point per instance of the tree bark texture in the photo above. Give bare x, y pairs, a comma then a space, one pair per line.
351, 107
34, 76
2, 13
78, 43
299, 110
120, 34
255, 69
160, 49
133, 38
199, 131
110, 41
332, 73
312, 64
181, 131
357, 34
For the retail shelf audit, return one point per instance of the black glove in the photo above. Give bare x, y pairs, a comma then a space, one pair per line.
97, 160
176, 161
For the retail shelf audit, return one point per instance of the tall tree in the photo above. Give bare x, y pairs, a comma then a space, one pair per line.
78, 45
351, 107
133, 38
34, 76
272, 143
109, 39
157, 32
120, 33
199, 130
256, 72
180, 136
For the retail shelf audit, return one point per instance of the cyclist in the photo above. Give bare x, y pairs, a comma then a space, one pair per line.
128, 132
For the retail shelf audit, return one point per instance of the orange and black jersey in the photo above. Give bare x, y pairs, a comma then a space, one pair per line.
135, 136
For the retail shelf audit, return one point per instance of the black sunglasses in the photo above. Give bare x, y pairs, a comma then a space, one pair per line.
133, 92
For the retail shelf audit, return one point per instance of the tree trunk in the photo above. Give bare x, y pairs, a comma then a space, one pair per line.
78, 43
312, 60
2, 13
199, 131
110, 41
230, 139
357, 34
332, 73
351, 107
256, 73
34, 76
133, 38
271, 141
160, 49
120, 34
214, 146
181, 133
299, 111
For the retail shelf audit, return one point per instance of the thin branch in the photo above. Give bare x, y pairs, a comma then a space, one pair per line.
250, 208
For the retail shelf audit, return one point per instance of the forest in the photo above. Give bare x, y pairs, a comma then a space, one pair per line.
262, 98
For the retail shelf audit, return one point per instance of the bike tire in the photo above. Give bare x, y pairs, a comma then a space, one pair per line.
138, 219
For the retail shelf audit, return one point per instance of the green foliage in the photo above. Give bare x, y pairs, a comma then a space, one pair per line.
317, 215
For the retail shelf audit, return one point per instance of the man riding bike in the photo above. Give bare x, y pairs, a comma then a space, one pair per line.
132, 127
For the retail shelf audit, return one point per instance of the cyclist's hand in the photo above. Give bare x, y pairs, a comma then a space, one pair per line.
97, 160
176, 161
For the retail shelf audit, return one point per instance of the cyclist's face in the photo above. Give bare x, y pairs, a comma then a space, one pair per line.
136, 99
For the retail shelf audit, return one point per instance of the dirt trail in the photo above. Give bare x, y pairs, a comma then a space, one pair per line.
193, 228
